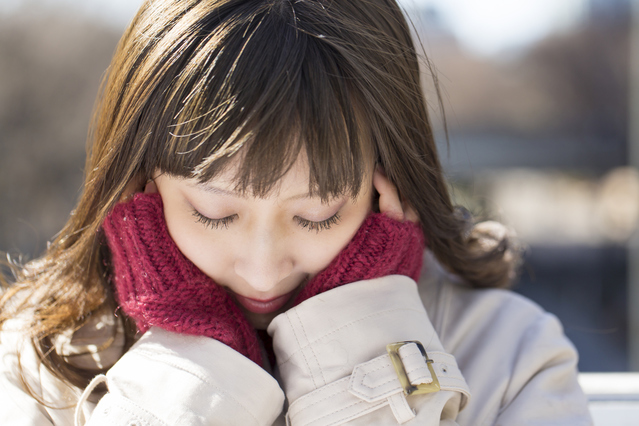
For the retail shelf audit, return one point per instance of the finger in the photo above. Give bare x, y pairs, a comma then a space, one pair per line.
135, 185
389, 202
410, 213
150, 187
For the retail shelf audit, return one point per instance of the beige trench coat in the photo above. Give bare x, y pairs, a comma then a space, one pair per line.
498, 358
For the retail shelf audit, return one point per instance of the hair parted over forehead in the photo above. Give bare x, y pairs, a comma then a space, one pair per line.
269, 80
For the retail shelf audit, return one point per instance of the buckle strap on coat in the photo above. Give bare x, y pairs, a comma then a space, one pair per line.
377, 383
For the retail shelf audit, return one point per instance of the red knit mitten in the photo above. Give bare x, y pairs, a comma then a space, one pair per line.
382, 246
158, 286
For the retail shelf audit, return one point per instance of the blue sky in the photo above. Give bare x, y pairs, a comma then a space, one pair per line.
488, 26
483, 26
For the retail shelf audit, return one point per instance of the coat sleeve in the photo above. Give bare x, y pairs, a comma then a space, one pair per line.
332, 356
520, 366
17, 406
168, 378
543, 388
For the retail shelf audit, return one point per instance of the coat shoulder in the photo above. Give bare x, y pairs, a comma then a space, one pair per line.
450, 302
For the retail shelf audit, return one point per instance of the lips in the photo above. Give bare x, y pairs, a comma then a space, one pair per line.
264, 306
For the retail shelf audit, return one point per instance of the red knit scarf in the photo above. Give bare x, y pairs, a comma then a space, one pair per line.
157, 285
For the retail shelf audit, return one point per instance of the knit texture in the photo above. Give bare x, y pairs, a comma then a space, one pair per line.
158, 286
382, 246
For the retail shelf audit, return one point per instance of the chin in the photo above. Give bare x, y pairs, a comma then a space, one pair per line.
260, 321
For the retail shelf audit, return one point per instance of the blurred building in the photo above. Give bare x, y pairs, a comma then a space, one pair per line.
539, 140
614, 10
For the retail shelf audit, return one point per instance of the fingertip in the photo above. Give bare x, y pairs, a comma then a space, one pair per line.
411, 215
389, 203
395, 215
150, 187
378, 177
391, 207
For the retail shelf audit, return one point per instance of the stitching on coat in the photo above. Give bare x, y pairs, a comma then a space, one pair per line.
449, 377
335, 412
350, 324
135, 415
376, 406
154, 357
303, 407
383, 395
381, 367
387, 363
311, 348
386, 394
288, 317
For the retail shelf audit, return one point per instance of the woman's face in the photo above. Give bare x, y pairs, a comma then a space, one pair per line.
262, 250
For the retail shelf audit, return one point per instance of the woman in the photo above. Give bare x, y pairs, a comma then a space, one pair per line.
226, 131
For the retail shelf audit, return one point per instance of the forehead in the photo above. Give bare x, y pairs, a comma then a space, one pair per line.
294, 185
296, 180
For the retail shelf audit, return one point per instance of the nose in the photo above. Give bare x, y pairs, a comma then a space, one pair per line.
264, 261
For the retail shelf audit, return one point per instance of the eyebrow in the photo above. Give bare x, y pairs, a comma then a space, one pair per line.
219, 191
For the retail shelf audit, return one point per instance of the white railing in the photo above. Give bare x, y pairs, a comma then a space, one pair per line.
613, 397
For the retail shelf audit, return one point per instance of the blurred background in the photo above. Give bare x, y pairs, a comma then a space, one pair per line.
538, 101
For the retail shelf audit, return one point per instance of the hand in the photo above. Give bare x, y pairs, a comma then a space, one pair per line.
157, 285
385, 244
389, 202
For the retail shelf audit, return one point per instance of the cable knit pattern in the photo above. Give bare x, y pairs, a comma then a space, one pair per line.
382, 246
157, 285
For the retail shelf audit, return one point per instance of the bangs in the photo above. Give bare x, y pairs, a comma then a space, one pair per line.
258, 83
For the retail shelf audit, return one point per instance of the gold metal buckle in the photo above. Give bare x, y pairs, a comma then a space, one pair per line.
409, 388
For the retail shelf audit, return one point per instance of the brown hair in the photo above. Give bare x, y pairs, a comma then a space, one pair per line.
194, 81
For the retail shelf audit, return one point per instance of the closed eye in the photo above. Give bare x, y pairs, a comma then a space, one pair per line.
318, 226
214, 223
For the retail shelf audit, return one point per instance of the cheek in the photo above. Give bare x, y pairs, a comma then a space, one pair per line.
196, 244
318, 255
318, 258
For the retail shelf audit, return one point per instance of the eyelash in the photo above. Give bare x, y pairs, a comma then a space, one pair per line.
213, 223
304, 223
318, 226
